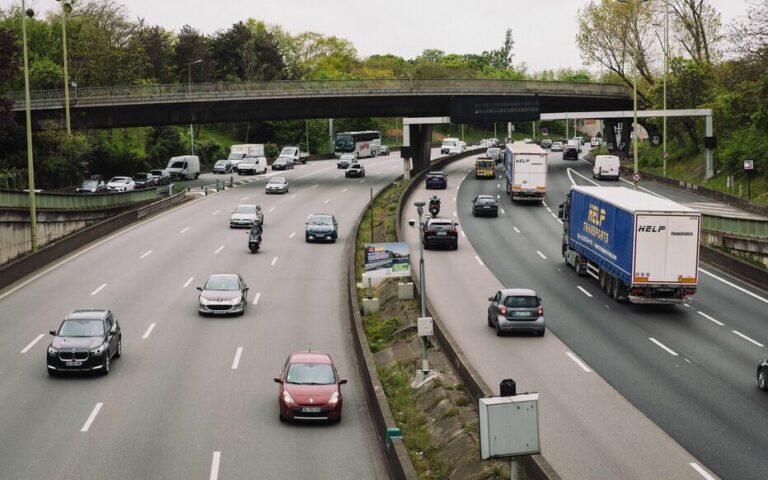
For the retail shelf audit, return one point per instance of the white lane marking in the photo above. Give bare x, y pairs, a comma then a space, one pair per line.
344, 190
463, 234
244, 198
145, 254
549, 210
570, 170
730, 284
184, 230
256, 298
218, 250
579, 362
32, 343
516, 229
148, 332
217, 211
335, 177
479, 261
687, 305
709, 318
274, 261
561, 222
554, 216
91, 417
98, 289
503, 212
541, 255
454, 199
663, 347
454, 213
236, 361
327, 200
362, 181
215, 462
644, 189
498, 185
271, 210
315, 186
701, 471
189, 280
584, 291
545, 204
292, 235
498, 197
748, 339
293, 196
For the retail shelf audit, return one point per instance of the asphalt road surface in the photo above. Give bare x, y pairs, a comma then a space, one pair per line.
192, 397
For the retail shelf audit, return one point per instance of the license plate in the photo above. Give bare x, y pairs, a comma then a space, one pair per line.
486, 206
74, 364
310, 409
520, 314
442, 234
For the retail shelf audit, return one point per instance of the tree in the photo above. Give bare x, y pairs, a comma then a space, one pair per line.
502, 58
749, 34
697, 27
157, 44
10, 54
191, 46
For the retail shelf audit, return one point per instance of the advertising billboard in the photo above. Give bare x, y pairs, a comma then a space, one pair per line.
385, 260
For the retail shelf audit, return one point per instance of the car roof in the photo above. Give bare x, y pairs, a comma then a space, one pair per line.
246, 205
486, 196
518, 292
89, 314
314, 215
440, 220
224, 275
277, 179
310, 357
437, 172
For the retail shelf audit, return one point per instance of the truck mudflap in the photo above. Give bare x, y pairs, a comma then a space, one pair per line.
656, 301
534, 196
669, 295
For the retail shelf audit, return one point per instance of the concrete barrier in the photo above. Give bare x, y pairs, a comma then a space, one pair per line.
754, 275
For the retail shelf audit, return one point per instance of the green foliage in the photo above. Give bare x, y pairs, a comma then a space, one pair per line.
162, 144
66, 157
209, 151
380, 332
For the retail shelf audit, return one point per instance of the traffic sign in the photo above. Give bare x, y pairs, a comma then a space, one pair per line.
545, 131
636, 177
666, 154
749, 165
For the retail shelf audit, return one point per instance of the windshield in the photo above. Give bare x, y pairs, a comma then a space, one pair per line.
140, 178
344, 142
320, 221
222, 284
347, 157
158, 173
220, 163
118, 180
435, 174
486, 200
278, 180
81, 328
449, 143
90, 184
235, 156
288, 151
522, 302
245, 209
177, 165
310, 374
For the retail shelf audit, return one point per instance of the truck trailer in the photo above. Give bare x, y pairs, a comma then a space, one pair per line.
640, 247
525, 168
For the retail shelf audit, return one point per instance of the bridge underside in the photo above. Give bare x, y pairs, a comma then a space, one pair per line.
222, 111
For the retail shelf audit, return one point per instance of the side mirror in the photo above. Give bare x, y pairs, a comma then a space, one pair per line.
490, 299
200, 288
455, 224
411, 222
278, 380
342, 381
53, 332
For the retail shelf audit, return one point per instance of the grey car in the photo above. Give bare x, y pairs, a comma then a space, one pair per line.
346, 160
277, 185
222, 294
516, 310
384, 150
246, 215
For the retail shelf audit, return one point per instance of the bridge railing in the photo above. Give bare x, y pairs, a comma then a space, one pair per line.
211, 91
735, 226
68, 201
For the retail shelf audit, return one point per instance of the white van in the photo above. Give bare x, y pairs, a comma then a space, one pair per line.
184, 167
606, 166
445, 147
252, 165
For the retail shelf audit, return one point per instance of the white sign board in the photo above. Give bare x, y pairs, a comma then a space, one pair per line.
509, 426
425, 328
749, 165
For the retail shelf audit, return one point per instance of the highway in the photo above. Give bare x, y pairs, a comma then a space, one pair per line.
689, 370
192, 397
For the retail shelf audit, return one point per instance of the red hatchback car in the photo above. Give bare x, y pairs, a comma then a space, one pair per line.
310, 388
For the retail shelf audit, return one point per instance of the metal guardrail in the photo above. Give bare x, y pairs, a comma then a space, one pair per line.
168, 93
68, 201
735, 226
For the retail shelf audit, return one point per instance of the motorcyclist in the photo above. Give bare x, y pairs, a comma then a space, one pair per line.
256, 231
434, 205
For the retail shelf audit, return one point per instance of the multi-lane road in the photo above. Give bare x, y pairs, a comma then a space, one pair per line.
192, 397
689, 369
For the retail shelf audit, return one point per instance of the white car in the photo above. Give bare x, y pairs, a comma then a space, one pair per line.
595, 142
120, 184
557, 147
277, 185
246, 215
455, 150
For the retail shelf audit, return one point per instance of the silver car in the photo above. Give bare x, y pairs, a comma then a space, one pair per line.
346, 160
222, 294
277, 185
516, 310
246, 215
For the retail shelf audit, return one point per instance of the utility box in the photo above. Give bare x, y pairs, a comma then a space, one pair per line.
405, 291
509, 426
424, 326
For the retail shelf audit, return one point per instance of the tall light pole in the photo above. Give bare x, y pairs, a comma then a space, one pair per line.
666, 72
189, 89
66, 9
420, 210
30, 161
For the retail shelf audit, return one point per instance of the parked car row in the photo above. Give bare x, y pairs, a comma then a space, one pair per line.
141, 180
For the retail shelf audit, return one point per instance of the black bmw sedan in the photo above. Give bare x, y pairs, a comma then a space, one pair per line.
86, 341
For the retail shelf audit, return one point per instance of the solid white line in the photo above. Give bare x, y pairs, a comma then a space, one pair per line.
145, 255
189, 280
561, 222
293, 196
663, 347
271, 210
292, 235
584, 291
701, 471
518, 231
218, 250
256, 298
315, 186
236, 361
463, 234
549, 210
274, 261
541, 255
217, 211
545, 204
503, 212
644, 189
709, 318
244, 198
148, 332
344, 190
578, 362
554, 216
498, 185
92, 417
479, 260
454, 213
32, 343
362, 181
215, 466
743, 290
327, 200
98, 289
570, 170
184, 230
748, 339
454, 199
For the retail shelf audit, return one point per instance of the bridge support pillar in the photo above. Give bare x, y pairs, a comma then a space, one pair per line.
421, 141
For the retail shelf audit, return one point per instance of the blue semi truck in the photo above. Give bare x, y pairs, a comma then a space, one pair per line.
640, 247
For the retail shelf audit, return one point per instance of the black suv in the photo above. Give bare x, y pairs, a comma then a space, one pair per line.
570, 153
441, 232
86, 341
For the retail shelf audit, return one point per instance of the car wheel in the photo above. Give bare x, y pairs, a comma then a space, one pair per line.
280, 417
105, 368
490, 322
498, 330
541, 332
119, 351
762, 379
456, 246
52, 373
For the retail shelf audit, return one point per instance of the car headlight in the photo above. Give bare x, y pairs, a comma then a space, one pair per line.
334, 398
51, 350
287, 399
99, 350
237, 301
203, 301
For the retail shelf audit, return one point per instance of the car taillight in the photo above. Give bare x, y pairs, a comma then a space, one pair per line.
453, 231
502, 310
540, 311
430, 230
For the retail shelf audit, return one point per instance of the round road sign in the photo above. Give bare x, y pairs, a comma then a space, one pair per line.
666, 154
636, 177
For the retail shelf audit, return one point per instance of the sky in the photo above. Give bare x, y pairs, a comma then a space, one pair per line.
544, 30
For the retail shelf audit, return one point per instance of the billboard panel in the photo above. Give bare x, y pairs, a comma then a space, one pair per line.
385, 260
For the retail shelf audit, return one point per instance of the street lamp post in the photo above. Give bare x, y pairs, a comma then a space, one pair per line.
666, 72
66, 9
189, 90
30, 161
422, 288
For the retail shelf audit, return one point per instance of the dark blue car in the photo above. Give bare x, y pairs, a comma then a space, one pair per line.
322, 227
437, 180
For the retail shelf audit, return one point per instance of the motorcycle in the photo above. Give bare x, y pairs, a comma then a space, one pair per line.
254, 242
434, 206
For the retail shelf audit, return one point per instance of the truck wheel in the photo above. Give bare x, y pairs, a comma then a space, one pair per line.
619, 291
609, 286
603, 281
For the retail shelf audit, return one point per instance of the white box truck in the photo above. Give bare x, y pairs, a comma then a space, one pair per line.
525, 169
640, 247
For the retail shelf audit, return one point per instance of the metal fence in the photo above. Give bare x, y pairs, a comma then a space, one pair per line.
735, 226
67, 201
133, 94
